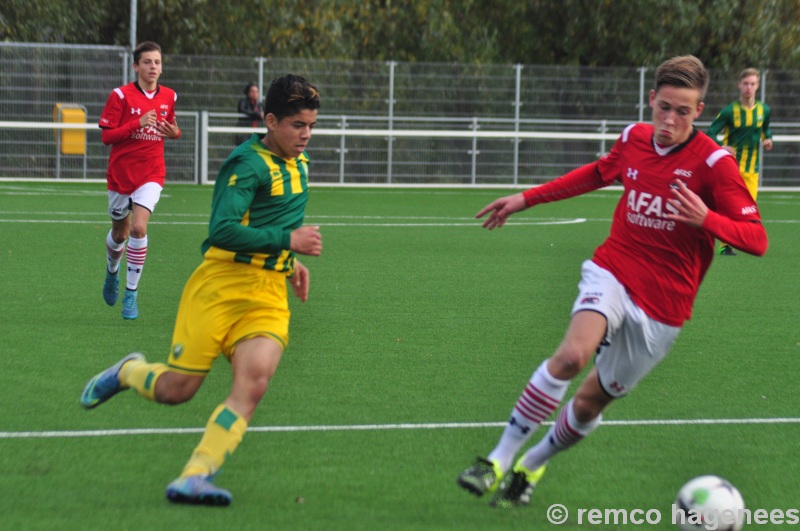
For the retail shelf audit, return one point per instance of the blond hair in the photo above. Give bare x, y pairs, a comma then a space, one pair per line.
747, 72
684, 71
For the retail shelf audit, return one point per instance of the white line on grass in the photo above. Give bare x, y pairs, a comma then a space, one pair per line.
379, 427
476, 223
322, 220
312, 219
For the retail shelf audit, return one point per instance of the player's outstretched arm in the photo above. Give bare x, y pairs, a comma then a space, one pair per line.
501, 209
306, 240
300, 281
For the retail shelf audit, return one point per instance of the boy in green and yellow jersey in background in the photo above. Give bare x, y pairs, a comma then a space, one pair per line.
235, 303
744, 124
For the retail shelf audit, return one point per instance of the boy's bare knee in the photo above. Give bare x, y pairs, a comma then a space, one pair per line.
567, 362
587, 408
174, 388
138, 231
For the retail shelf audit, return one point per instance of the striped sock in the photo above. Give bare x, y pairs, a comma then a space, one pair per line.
540, 398
137, 252
113, 253
565, 433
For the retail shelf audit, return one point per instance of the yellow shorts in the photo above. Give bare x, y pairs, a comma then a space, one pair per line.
751, 181
224, 303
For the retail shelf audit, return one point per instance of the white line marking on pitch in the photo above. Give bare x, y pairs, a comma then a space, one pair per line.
476, 223
380, 427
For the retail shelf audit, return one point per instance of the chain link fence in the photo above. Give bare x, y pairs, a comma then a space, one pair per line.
366, 95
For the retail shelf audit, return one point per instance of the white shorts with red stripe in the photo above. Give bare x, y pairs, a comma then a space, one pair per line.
634, 342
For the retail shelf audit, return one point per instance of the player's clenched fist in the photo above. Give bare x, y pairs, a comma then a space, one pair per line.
306, 240
148, 119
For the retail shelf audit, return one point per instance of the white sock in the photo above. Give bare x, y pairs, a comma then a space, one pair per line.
113, 253
540, 398
137, 252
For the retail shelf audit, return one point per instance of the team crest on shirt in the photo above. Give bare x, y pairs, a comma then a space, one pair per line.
177, 350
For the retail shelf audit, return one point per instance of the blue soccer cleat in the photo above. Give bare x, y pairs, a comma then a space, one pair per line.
197, 490
106, 384
130, 310
111, 288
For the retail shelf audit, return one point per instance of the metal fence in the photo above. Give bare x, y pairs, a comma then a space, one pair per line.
366, 95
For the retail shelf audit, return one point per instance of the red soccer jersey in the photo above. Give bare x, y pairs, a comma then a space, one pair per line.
137, 153
662, 262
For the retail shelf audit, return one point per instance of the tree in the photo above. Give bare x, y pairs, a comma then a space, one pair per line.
724, 33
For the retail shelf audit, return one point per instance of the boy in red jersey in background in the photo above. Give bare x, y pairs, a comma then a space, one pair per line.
681, 191
135, 121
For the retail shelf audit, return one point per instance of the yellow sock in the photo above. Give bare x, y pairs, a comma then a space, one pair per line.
223, 434
142, 376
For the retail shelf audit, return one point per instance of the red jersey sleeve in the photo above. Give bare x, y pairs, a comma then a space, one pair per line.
733, 217
579, 181
588, 178
747, 236
114, 131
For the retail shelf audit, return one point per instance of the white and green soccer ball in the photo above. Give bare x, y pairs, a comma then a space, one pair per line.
709, 503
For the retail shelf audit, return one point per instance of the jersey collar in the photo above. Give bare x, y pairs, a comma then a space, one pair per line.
673, 149
140, 89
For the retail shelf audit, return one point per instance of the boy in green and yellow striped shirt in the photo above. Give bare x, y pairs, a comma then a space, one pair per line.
744, 125
235, 303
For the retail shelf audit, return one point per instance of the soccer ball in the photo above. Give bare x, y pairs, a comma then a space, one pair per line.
708, 503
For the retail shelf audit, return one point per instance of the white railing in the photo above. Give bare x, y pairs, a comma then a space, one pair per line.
436, 153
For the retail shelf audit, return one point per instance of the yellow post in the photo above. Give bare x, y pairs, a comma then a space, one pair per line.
71, 141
